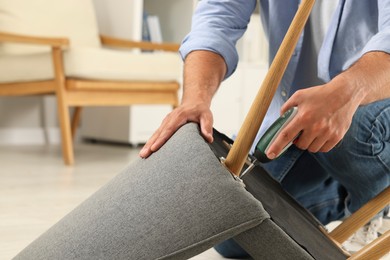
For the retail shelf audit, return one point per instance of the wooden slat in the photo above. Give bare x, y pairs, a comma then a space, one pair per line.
111, 98
246, 136
90, 85
374, 250
19, 38
122, 43
27, 88
75, 121
349, 226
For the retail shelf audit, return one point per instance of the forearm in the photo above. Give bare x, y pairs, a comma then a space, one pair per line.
203, 73
369, 78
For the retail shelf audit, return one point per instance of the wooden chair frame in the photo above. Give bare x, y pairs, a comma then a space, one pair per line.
73, 92
237, 155
377, 248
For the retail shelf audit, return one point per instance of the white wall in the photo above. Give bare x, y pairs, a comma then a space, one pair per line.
115, 18
176, 19
28, 120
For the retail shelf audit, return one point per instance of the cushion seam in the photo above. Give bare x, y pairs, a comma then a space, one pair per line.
251, 223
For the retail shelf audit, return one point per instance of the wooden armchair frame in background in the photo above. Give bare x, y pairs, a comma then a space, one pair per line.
377, 248
73, 92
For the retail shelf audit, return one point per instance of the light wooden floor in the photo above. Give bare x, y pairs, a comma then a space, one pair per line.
36, 189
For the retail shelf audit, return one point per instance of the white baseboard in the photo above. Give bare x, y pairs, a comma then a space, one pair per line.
29, 136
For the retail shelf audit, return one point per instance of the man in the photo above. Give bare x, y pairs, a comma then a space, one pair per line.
338, 77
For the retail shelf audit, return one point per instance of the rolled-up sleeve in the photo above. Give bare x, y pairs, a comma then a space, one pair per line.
216, 27
381, 40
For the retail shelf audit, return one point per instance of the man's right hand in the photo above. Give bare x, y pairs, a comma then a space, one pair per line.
193, 112
203, 73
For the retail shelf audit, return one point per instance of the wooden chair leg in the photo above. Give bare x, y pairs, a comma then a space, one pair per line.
375, 250
66, 137
76, 120
63, 107
358, 219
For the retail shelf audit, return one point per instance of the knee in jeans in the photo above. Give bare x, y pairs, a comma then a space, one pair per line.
230, 249
368, 132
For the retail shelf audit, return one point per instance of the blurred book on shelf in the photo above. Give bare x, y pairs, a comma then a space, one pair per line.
145, 28
151, 28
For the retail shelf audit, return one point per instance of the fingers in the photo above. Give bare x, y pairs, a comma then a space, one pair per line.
311, 137
323, 119
320, 136
291, 102
167, 128
163, 137
314, 145
286, 136
146, 151
206, 127
174, 121
322, 145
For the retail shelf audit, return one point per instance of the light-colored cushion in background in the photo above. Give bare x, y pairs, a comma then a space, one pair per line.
73, 19
84, 59
94, 63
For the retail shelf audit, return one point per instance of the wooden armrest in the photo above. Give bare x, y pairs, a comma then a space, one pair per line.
122, 43
18, 38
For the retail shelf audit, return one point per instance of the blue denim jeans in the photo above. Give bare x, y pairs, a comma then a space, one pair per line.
334, 184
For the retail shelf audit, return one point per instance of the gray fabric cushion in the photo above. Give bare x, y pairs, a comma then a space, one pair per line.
268, 241
174, 205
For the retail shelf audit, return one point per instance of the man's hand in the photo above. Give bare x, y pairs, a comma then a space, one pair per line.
324, 116
203, 73
199, 113
325, 112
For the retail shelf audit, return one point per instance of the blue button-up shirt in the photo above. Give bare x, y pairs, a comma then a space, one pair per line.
356, 27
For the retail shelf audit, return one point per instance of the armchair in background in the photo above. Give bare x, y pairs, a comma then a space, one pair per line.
54, 47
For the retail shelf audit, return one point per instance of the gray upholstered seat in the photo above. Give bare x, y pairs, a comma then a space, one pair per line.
174, 205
